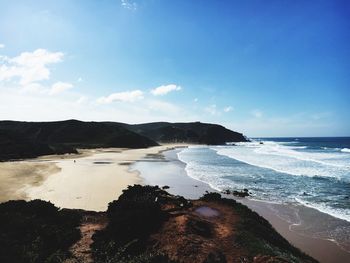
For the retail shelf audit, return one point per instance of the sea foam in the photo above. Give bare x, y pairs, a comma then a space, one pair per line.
343, 214
294, 160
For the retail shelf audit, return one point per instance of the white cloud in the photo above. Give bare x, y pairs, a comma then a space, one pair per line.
321, 115
257, 113
228, 109
59, 87
29, 67
2, 45
212, 109
81, 100
127, 4
165, 89
126, 96
163, 107
34, 88
292, 125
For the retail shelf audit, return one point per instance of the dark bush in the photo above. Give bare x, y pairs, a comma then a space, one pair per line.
36, 231
211, 197
132, 218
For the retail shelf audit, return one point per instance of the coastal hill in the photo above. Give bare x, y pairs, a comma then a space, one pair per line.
20, 140
145, 225
191, 132
31, 139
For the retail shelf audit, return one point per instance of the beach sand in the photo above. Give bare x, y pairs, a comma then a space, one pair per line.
85, 181
15, 176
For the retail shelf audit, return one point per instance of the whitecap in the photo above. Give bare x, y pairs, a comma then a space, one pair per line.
288, 159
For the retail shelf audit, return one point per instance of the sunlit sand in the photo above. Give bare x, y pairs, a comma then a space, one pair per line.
87, 182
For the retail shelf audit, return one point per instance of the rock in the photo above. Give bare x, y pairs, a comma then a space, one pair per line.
227, 192
165, 187
240, 193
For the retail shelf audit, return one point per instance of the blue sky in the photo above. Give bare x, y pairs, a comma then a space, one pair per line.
264, 68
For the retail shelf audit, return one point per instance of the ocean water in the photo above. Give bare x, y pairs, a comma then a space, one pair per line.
313, 172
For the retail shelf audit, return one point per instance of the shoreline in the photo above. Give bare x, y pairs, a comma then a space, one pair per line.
326, 251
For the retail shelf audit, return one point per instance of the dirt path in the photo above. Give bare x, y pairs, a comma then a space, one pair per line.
81, 251
189, 236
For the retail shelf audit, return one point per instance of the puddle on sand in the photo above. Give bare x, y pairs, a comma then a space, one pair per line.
102, 162
207, 211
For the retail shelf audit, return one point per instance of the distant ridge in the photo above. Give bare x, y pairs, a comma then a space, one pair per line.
30, 139
191, 132
19, 140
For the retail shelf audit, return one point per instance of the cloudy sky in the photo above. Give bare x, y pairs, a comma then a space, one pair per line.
264, 68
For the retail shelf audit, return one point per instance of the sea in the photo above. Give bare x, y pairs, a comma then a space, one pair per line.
313, 172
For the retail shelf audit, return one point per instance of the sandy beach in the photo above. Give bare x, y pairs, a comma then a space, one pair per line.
89, 180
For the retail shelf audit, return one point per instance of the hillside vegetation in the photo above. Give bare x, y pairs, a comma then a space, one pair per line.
31, 139
145, 225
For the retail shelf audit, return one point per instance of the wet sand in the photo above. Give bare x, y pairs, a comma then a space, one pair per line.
15, 176
301, 226
302, 234
170, 171
87, 181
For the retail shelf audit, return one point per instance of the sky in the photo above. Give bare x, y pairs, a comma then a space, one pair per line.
265, 68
